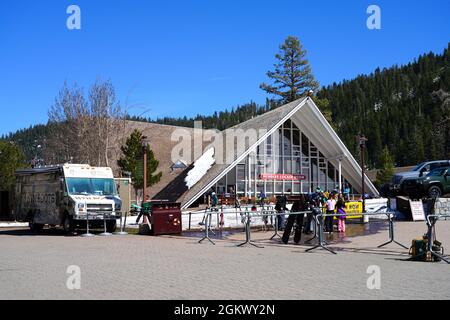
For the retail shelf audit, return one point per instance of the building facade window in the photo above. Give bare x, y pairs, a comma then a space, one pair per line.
287, 162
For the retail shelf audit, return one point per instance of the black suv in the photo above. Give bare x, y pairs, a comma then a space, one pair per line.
434, 184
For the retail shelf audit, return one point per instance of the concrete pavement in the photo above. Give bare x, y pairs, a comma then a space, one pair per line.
141, 267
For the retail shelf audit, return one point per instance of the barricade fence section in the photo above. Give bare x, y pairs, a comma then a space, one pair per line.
247, 216
432, 219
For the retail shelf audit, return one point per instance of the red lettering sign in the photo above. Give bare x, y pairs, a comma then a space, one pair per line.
279, 176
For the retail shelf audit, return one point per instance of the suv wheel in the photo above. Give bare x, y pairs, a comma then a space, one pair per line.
434, 192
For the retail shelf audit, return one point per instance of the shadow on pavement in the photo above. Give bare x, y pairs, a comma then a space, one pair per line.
53, 232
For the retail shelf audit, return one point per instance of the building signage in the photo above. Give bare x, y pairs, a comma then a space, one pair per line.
417, 211
295, 177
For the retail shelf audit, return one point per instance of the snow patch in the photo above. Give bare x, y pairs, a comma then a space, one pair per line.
201, 167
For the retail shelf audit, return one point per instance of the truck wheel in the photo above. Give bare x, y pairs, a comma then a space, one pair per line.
36, 227
68, 224
111, 226
434, 192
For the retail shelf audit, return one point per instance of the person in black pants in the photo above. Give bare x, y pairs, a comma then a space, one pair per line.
331, 207
280, 207
309, 216
297, 219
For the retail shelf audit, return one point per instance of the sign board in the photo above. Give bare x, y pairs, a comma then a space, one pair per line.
353, 207
86, 171
124, 190
294, 177
418, 214
379, 205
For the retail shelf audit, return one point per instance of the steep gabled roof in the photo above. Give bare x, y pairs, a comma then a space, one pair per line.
270, 121
314, 125
305, 114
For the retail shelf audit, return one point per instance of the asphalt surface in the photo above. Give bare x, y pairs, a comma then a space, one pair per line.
177, 267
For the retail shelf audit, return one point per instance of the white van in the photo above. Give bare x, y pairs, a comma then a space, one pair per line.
67, 195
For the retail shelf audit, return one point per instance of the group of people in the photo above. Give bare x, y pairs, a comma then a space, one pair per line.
331, 203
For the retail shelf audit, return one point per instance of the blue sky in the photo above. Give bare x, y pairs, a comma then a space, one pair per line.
195, 57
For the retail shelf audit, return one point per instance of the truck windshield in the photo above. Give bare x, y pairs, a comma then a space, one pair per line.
91, 186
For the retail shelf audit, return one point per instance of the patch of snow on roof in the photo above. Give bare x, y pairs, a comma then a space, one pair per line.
201, 167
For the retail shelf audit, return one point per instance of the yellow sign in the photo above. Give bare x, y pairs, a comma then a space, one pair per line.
354, 207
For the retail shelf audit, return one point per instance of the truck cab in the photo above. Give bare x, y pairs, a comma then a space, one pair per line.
68, 195
421, 170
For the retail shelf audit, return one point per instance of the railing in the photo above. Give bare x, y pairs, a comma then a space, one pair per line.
323, 244
105, 233
432, 219
317, 216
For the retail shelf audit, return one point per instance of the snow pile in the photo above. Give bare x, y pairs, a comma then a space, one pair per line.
201, 167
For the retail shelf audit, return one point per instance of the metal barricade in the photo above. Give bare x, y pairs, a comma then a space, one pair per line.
431, 220
267, 213
318, 224
105, 233
247, 221
207, 220
122, 226
322, 243
87, 234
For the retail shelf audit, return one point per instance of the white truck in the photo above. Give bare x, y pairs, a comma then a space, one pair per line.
67, 195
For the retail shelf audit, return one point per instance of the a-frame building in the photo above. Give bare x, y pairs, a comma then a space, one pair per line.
289, 150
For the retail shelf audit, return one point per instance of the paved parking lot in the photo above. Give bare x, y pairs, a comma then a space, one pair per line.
140, 267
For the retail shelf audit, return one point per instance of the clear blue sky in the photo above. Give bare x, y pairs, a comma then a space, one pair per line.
187, 57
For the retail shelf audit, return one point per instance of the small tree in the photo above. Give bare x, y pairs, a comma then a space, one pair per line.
82, 127
11, 159
292, 77
386, 171
132, 161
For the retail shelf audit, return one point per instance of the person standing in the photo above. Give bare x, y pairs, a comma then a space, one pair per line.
295, 218
340, 205
309, 216
280, 207
262, 198
346, 192
331, 206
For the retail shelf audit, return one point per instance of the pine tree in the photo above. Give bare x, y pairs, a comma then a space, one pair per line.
292, 77
386, 172
132, 161
324, 107
11, 159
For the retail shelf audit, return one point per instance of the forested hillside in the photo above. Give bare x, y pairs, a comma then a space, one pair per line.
406, 108
219, 120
